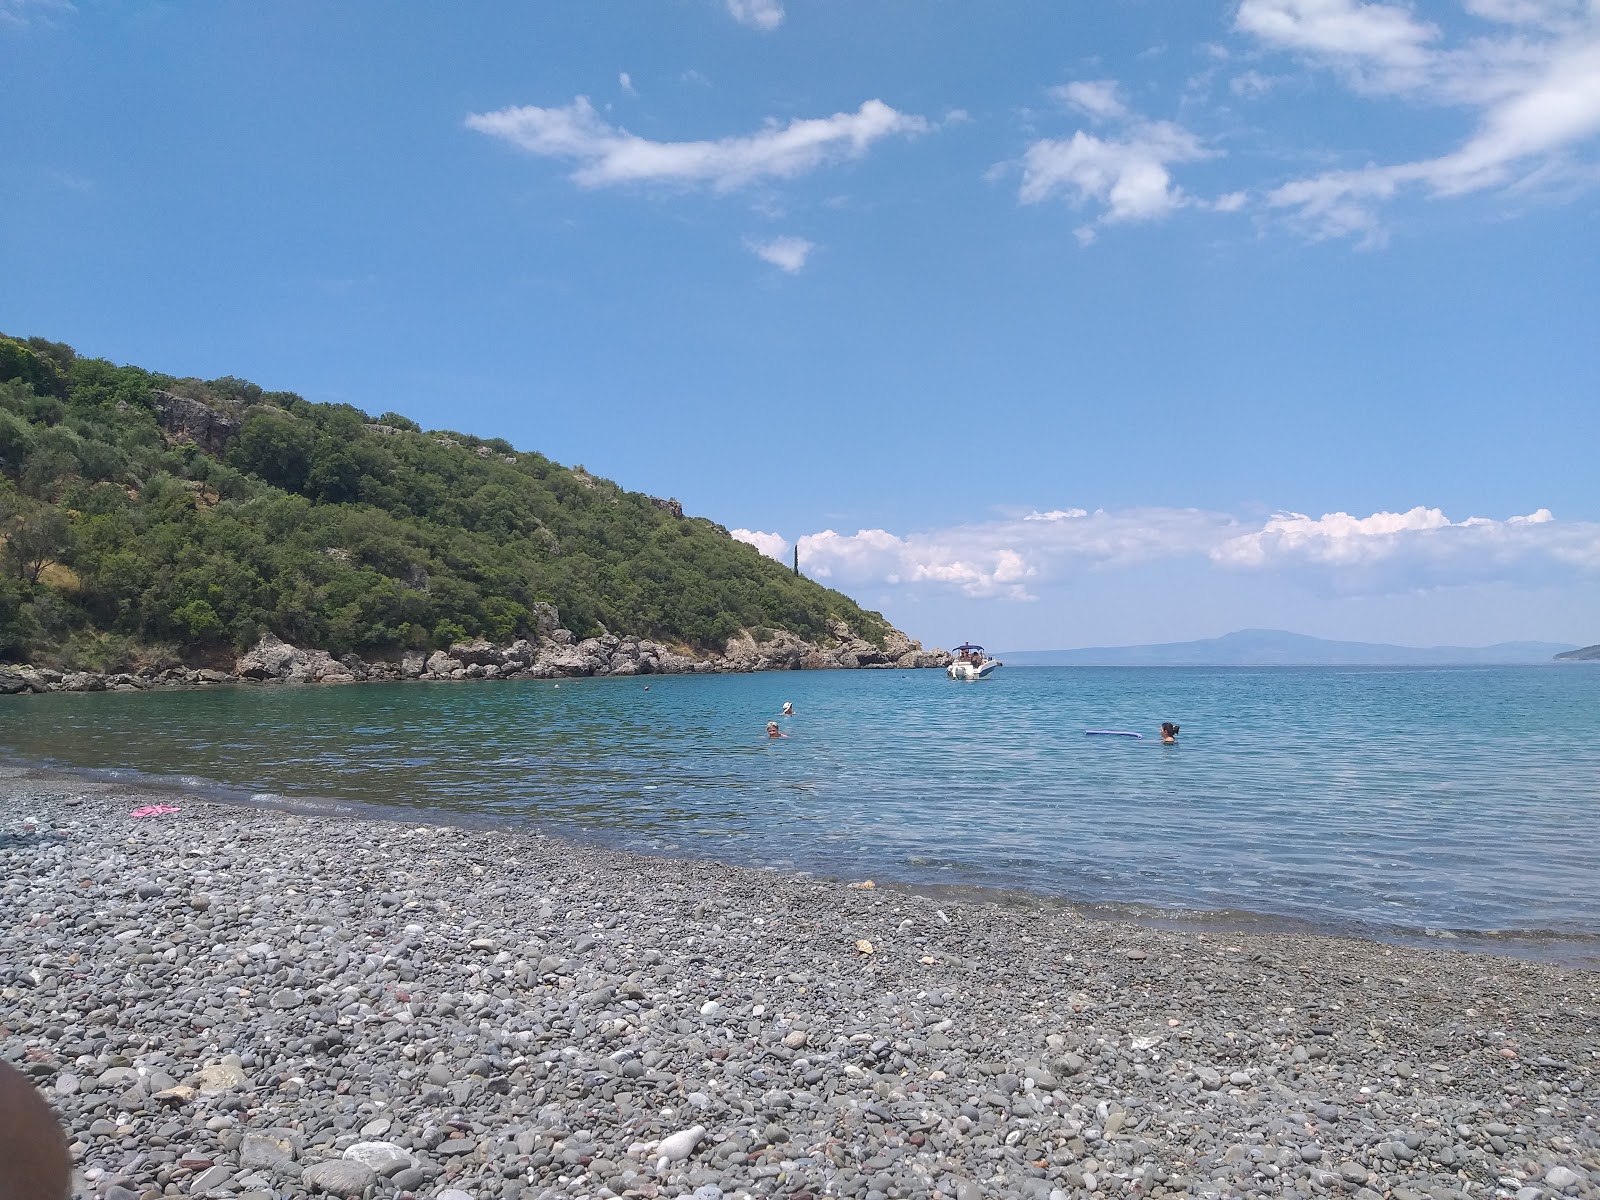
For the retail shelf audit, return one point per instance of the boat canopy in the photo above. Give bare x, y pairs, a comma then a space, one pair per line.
968, 646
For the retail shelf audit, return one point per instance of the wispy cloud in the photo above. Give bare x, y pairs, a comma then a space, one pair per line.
72, 181
625, 82
1534, 85
1097, 98
18, 13
765, 15
785, 252
1016, 557
1253, 83
608, 155
1374, 43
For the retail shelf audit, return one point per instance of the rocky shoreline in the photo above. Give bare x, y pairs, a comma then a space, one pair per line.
235, 1002
553, 653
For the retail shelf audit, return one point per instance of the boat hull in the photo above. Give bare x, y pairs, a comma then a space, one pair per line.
965, 672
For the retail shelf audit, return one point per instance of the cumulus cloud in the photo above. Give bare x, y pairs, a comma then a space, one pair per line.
1420, 548
1008, 557
786, 253
1015, 556
1124, 171
773, 545
765, 15
1127, 175
1534, 86
607, 155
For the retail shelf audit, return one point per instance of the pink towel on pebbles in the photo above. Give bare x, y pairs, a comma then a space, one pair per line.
153, 810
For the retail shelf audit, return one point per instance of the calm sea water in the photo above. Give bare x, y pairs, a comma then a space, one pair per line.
1392, 802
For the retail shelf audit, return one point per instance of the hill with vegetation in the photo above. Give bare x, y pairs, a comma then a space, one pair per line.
145, 516
1585, 654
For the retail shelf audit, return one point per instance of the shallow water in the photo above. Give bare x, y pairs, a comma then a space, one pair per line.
1391, 802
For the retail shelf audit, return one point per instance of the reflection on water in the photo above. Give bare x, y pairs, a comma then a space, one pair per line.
1464, 799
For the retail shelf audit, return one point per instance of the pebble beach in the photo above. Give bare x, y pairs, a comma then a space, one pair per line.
257, 1003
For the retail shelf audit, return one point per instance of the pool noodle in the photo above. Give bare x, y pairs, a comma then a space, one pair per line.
1111, 733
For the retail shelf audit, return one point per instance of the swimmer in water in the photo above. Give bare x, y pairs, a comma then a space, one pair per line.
774, 731
1169, 734
788, 708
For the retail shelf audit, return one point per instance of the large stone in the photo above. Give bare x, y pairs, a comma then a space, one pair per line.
185, 420
385, 1158
440, 663
269, 1149
340, 1176
545, 620
228, 1075
567, 661
479, 653
270, 658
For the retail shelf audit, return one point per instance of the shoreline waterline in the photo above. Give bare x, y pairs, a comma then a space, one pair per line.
1557, 948
1388, 803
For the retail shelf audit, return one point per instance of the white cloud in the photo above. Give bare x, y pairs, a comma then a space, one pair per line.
773, 545
1376, 43
1007, 557
1557, 111
1232, 202
1016, 556
626, 82
607, 155
1419, 548
765, 15
786, 253
1098, 98
1535, 88
1128, 175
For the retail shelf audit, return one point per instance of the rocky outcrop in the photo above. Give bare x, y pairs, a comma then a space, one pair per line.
272, 659
554, 653
185, 420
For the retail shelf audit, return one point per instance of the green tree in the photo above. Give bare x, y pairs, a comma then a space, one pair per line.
36, 536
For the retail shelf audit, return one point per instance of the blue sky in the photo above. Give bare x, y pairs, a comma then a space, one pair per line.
1043, 324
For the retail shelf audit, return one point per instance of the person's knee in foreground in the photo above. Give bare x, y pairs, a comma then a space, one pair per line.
33, 1152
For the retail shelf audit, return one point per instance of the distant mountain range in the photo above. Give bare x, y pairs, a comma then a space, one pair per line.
1275, 647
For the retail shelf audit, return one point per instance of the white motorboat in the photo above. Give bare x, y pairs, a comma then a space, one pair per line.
970, 664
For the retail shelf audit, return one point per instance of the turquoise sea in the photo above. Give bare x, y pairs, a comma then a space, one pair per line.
1407, 804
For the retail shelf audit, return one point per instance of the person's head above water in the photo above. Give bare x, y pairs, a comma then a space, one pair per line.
788, 708
1169, 731
773, 730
